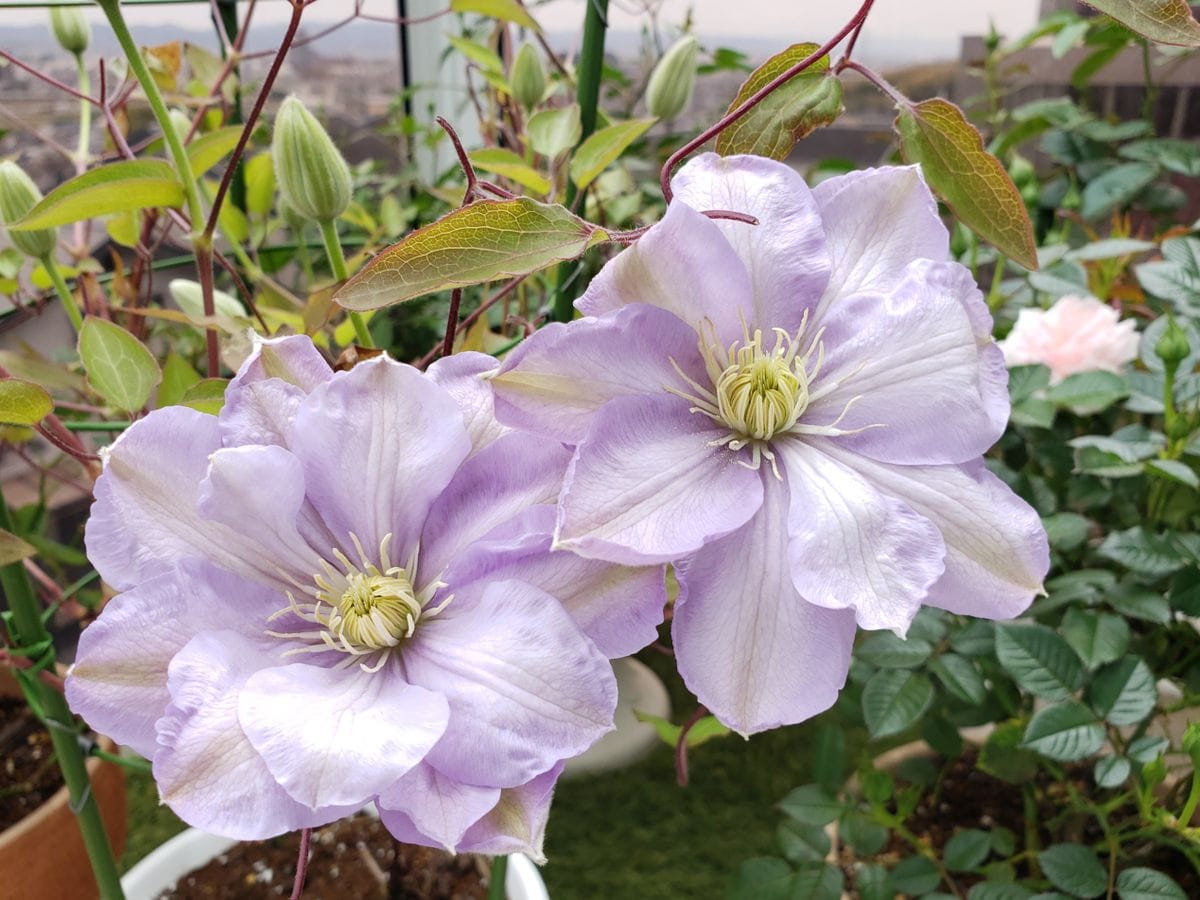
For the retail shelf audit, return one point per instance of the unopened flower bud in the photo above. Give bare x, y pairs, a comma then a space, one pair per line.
527, 78
313, 177
70, 28
18, 195
1173, 347
180, 122
671, 82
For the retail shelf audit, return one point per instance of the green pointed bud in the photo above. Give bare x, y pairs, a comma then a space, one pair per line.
527, 78
672, 81
1173, 347
70, 28
313, 177
18, 195
180, 122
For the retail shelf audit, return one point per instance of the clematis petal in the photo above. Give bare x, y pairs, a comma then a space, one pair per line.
785, 253
517, 823
501, 481
465, 377
854, 547
996, 549
145, 517
378, 445
525, 687
684, 265
205, 767
746, 643
618, 607
334, 736
264, 485
648, 486
262, 399
554, 382
435, 809
876, 222
918, 368
119, 680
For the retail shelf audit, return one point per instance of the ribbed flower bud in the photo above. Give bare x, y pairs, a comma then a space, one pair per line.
18, 195
313, 177
672, 81
70, 28
180, 122
527, 77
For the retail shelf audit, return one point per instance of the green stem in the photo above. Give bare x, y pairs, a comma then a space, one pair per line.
183, 166
1189, 807
28, 630
499, 875
587, 95
85, 112
64, 292
337, 261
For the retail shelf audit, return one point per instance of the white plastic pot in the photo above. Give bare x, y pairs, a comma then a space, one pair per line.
194, 848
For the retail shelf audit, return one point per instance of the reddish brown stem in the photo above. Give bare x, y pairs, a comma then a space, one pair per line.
301, 863
757, 97
681, 758
204, 268
473, 317
451, 322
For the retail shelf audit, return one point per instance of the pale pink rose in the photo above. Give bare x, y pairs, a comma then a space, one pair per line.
1076, 334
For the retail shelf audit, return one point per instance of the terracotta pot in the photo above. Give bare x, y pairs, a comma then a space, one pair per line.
42, 857
194, 848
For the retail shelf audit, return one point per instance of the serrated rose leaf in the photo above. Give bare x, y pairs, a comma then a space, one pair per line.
111, 188
603, 147
1163, 21
799, 107
971, 181
23, 402
487, 240
119, 367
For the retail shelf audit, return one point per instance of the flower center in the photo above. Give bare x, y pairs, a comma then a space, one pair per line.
762, 393
361, 609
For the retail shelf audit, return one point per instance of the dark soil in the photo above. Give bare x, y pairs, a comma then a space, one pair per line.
354, 858
29, 775
965, 797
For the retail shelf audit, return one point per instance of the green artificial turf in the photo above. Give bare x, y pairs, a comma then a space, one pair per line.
633, 833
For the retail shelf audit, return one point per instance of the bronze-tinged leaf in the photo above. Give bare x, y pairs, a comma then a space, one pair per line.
485, 241
971, 181
795, 110
1163, 21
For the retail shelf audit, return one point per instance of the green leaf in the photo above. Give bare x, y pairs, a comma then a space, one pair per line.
704, 730
13, 549
812, 805
863, 833
113, 187
1173, 470
207, 396
1098, 638
1111, 771
802, 843
1110, 248
1147, 748
972, 182
960, 678
554, 131
1134, 601
1038, 659
998, 890
806, 102
892, 701
178, 376
762, 878
886, 650
1025, 381
1143, 552
206, 150
1064, 732
487, 60
260, 184
1174, 155
914, 875
1066, 530
1086, 393
967, 850
829, 757
1163, 21
871, 879
507, 164
1074, 869
976, 638
821, 882
23, 402
1140, 883
604, 147
506, 10
1003, 757
1123, 692
119, 367
487, 240
1115, 188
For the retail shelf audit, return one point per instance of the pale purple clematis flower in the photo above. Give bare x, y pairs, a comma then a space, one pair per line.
331, 594
794, 413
